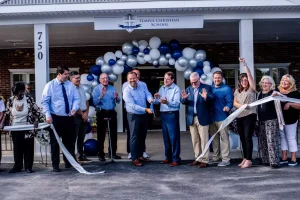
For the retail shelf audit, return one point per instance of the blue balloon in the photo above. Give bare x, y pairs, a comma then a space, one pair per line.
146, 51
88, 128
176, 54
174, 45
200, 64
135, 50
96, 70
111, 62
127, 69
90, 77
163, 48
198, 70
156, 66
91, 147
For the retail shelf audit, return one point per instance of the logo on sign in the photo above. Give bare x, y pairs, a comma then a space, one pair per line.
130, 24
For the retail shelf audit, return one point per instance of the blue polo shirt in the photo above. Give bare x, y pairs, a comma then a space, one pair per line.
223, 97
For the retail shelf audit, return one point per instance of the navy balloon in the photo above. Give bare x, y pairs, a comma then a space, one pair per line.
176, 54
156, 66
200, 64
163, 48
199, 70
127, 69
174, 45
135, 50
91, 147
111, 62
88, 128
96, 70
90, 77
146, 51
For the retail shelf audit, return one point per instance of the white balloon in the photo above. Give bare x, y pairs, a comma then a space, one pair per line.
154, 53
224, 81
118, 54
141, 54
143, 43
206, 63
108, 56
206, 69
147, 58
154, 42
208, 81
88, 136
117, 69
209, 75
215, 69
188, 53
141, 60
92, 111
142, 47
83, 79
179, 68
106, 69
95, 83
88, 96
172, 61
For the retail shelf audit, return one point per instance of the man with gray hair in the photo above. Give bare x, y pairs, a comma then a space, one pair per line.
198, 98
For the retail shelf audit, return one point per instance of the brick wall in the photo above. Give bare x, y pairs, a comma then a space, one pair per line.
84, 57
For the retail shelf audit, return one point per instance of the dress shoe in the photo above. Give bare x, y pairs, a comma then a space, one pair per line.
14, 170
275, 166
101, 158
116, 157
29, 170
202, 165
165, 162
142, 159
83, 159
174, 164
68, 165
194, 163
56, 169
137, 163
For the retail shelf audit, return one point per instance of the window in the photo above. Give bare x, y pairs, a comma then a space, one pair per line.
229, 75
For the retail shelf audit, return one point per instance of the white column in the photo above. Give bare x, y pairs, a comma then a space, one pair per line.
182, 116
246, 44
41, 53
119, 107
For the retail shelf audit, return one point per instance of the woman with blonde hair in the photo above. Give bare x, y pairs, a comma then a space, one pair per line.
268, 124
290, 113
246, 94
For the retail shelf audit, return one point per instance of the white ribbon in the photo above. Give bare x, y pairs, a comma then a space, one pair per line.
235, 114
69, 157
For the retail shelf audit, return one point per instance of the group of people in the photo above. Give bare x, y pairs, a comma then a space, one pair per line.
64, 105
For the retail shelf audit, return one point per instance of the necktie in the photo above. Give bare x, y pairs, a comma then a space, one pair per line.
65, 98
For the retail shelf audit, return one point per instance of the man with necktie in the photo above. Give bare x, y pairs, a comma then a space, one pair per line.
105, 98
60, 102
135, 97
169, 98
198, 98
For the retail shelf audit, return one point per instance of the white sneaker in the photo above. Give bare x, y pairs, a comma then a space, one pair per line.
145, 155
129, 156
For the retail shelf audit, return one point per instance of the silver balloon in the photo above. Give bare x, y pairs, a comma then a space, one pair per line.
182, 62
200, 55
135, 43
91, 120
120, 62
87, 88
124, 57
112, 77
193, 62
187, 73
155, 62
106, 69
163, 60
141, 54
95, 83
117, 69
168, 56
127, 48
131, 61
100, 61
203, 77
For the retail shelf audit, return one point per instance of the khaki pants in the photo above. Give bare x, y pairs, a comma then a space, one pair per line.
199, 136
221, 150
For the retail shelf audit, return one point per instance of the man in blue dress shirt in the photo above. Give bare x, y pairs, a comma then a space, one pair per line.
222, 105
60, 102
105, 98
135, 97
169, 98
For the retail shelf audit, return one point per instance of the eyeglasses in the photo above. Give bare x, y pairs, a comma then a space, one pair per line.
103, 78
194, 83
266, 83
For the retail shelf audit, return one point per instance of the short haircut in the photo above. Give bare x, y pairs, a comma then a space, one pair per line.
131, 73
61, 69
171, 74
18, 87
218, 72
137, 69
195, 75
291, 80
270, 80
73, 73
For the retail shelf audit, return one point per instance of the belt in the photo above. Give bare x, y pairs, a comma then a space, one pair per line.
168, 112
106, 111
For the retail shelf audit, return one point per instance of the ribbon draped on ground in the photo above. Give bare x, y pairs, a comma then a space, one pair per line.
69, 157
235, 114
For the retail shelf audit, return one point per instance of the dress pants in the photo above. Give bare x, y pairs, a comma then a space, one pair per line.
23, 149
101, 130
127, 131
171, 135
199, 136
65, 128
138, 125
246, 126
80, 128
